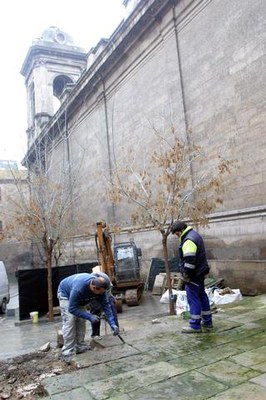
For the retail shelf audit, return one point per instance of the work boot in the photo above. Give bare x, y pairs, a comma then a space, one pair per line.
206, 327
97, 337
189, 329
82, 349
67, 358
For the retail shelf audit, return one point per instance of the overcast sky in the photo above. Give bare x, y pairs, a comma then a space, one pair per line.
21, 21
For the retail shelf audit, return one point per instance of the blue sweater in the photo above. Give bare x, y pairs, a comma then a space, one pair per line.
76, 289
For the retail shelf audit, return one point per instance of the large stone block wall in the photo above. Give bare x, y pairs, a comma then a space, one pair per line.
223, 76
223, 251
216, 87
237, 238
223, 54
248, 276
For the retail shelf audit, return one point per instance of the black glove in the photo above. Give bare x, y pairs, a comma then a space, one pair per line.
186, 278
94, 318
180, 284
115, 330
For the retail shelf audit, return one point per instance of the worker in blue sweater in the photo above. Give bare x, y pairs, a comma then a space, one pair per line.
74, 292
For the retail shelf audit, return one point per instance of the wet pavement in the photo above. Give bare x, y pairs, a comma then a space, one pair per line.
21, 337
157, 361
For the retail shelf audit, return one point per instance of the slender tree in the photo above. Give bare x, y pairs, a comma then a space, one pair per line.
42, 211
170, 183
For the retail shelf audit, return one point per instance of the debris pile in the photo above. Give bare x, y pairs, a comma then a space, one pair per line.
21, 377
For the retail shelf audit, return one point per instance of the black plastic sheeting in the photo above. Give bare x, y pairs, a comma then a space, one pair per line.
33, 287
158, 266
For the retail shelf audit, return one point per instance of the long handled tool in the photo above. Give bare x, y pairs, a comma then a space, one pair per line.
120, 337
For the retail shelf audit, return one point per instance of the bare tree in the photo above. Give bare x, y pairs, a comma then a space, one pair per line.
170, 183
43, 210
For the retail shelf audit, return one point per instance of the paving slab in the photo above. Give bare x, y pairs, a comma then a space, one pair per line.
193, 361
252, 357
193, 385
100, 356
245, 391
260, 380
228, 372
260, 367
262, 323
75, 394
130, 363
131, 381
253, 341
77, 378
157, 352
247, 317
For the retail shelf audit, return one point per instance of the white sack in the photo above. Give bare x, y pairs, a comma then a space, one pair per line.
226, 298
165, 297
181, 302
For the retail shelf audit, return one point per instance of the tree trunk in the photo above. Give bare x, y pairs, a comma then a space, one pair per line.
50, 286
172, 300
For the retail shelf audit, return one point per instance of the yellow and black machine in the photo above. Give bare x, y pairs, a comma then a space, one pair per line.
121, 265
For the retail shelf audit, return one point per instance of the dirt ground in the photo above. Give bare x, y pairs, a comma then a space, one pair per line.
21, 377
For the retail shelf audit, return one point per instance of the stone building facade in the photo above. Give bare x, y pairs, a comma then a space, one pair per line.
200, 64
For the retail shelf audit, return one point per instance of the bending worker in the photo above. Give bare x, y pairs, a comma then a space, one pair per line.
194, 267
74, 292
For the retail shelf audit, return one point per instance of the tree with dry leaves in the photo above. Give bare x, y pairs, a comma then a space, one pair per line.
42, 211
169, 183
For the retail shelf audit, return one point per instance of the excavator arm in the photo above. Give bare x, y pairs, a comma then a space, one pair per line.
125, 277
105, 255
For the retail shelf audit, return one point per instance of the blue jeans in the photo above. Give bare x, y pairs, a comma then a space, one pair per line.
95, 327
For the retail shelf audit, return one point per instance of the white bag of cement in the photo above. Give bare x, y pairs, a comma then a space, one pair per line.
220, 297
165, 297
181, 302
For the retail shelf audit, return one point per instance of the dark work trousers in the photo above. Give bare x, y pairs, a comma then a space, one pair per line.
96, 310
198, 302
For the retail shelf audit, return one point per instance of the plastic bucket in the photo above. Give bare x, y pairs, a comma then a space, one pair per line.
34, 315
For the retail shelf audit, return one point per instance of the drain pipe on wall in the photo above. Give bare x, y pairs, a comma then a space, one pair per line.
182, 87
108, 142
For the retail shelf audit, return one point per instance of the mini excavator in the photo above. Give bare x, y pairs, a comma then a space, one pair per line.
121, 265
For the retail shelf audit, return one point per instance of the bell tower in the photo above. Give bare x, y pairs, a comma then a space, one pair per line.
52, 66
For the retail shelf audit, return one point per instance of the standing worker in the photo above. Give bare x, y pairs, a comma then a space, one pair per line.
74, 292
194, 267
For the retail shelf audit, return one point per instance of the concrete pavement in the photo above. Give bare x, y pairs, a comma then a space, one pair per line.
158, 362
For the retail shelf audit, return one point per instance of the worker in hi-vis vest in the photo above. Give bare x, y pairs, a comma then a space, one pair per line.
194, 267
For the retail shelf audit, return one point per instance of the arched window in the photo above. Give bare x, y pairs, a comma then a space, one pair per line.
59, 85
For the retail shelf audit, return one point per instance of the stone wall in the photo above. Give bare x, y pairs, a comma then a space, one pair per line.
222, 72
201, 66
244, 275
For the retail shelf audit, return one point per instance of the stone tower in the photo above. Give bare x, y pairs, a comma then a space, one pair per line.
52, 66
